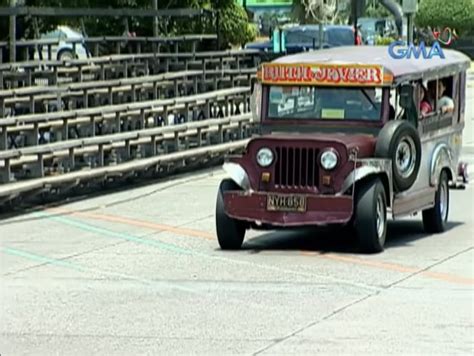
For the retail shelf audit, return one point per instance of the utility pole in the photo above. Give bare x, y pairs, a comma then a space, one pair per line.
410, 28
12, 33
155, 19
410, 8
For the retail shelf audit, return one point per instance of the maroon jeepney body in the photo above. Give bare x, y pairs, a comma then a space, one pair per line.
296, 173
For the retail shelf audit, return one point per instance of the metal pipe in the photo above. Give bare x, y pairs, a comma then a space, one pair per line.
155, 19
12, 39
396, 11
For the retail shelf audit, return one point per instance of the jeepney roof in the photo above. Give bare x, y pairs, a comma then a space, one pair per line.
400, 69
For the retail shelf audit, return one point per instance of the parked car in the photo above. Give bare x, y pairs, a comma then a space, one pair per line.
344, 141
63, 50
304, 38
371, 28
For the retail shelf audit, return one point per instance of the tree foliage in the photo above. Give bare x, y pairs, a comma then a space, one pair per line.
456, 14
315, 11
376, 10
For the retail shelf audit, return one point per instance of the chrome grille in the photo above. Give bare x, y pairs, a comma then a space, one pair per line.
296, 167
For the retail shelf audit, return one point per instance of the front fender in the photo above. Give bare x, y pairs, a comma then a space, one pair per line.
238, 174
370, 167
442, 158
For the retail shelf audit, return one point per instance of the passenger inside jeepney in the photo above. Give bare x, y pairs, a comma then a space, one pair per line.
445, 103
423, 95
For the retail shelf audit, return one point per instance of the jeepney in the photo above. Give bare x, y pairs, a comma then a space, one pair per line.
343, 142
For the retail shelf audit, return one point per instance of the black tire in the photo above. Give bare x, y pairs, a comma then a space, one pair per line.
371, 209
435, 219
230, 232
395, 141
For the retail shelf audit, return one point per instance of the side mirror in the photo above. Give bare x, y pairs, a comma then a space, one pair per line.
406, 96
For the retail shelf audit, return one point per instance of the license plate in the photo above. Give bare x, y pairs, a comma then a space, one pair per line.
277, 202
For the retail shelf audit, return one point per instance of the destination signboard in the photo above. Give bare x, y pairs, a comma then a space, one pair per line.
323, 74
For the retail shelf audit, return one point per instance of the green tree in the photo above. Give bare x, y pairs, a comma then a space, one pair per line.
456, 14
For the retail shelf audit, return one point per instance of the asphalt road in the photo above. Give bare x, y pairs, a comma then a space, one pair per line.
140, 272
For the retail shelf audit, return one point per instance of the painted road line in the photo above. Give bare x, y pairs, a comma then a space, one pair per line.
114, 234
380, 265
394, 267
174, 248
76, 267
135, 222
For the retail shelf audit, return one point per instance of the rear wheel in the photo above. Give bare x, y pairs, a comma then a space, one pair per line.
371, 216
435, 219
230, 232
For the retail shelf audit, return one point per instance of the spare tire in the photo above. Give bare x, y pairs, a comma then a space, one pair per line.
399, 141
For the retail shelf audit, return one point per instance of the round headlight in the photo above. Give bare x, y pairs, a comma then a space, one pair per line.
265, 157
329, 160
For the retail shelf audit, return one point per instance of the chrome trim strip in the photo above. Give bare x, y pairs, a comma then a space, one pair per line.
436, 134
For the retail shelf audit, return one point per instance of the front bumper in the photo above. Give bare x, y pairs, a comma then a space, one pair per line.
320, 210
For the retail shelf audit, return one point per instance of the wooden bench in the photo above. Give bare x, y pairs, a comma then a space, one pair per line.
23, 73
139, 112
31, 187
129, 89
151, 137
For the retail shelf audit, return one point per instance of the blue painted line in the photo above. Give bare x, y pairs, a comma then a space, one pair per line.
115, 234
42, 259
77, 267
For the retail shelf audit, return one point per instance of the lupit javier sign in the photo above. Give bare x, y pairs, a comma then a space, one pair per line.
320, 74
400, 50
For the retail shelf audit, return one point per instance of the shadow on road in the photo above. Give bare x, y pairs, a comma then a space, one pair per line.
400, 233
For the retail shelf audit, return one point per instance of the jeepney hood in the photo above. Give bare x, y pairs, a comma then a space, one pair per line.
363, 143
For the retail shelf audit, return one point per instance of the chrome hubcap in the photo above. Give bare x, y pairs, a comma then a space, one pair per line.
443, 200
381, 218
405, 157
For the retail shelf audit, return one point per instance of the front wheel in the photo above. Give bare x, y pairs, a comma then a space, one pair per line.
230, 232
435, 219
371, 216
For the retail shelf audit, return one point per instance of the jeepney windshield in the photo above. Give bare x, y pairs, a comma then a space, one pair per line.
326, 103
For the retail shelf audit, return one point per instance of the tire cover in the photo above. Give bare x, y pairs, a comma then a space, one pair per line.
388, 146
